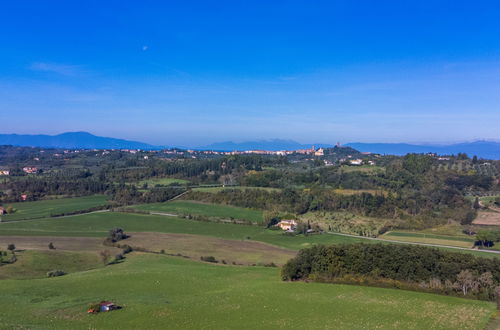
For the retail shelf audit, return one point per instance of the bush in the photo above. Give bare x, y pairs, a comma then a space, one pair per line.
56, 273
126, 248
209, 259
116, 234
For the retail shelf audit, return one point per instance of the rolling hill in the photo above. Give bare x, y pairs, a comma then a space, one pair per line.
72, 140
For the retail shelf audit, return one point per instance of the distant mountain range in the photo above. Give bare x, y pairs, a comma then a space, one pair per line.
84, 140
269, 145
72, 140
482, 149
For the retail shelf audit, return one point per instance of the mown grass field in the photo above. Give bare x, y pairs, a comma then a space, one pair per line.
159, 292
454, 229
429, 238
161, 181
45, 208
182, 207
61, 243
241, 252
98, 225
485, 199
370, 169
217, 189
35, 264
359, 191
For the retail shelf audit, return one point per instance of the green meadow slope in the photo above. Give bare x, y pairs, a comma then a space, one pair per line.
98, 224
182, 207
167, 292
46, 208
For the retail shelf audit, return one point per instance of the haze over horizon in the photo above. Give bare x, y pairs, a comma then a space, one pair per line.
194, 73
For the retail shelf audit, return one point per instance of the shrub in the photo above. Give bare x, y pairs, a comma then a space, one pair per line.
11, 247
119, 257
126, 249
116, 234
209, 259
55, 273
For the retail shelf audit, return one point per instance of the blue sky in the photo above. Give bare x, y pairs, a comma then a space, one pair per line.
194, 72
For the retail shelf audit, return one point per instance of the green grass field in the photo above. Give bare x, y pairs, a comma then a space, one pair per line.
429, 238
45, 208
369, 169
161, 181
485, 199
36, 264
181, 207
217, 189
159, 292
98, 224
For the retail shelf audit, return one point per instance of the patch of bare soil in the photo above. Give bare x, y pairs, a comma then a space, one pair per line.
489, 218
196, 246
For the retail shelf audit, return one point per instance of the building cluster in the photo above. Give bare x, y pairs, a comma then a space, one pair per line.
311, 151
30, 169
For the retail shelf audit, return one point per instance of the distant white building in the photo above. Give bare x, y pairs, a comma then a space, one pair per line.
356, 161
30, 169
319, 152
288, 225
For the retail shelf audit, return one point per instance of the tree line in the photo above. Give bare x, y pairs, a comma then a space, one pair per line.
402, 266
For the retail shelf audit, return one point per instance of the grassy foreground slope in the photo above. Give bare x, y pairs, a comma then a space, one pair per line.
98, 224
165, 292
45, 208
182, 207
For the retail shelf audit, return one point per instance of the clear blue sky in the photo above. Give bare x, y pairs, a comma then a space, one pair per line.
194, 72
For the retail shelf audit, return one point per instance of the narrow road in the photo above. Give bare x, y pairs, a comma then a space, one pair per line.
412, 243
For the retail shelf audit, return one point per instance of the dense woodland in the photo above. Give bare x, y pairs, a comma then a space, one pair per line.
401, 266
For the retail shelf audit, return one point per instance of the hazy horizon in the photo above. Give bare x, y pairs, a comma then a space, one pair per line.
194, 73
276, 139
